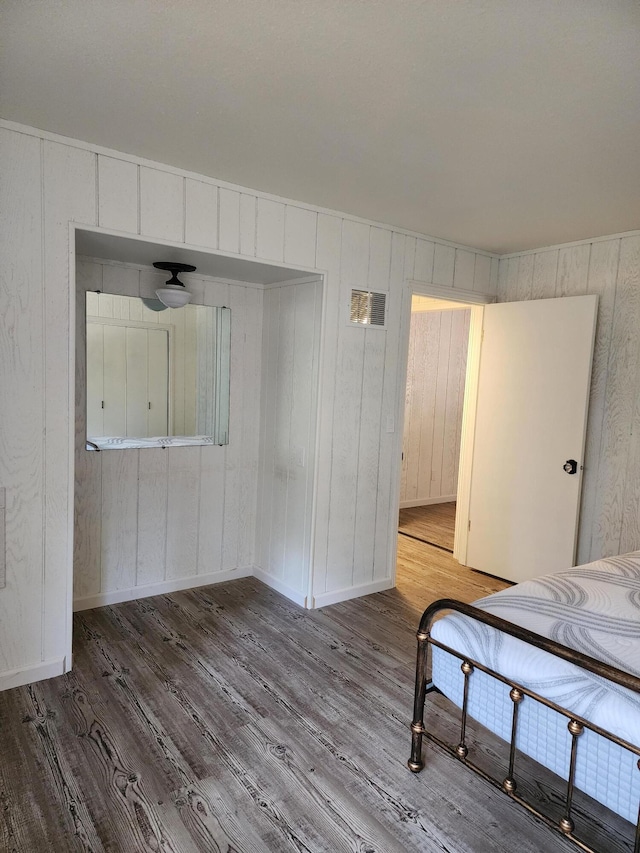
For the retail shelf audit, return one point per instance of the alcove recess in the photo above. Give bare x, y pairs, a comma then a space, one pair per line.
153, 520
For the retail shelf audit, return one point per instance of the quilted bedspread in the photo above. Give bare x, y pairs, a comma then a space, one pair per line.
593, 608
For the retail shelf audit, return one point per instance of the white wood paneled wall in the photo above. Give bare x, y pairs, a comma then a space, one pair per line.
50, 181
140, 515
290, 359
610, 507
438, 342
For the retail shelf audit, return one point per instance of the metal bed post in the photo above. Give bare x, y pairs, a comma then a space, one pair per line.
576, 725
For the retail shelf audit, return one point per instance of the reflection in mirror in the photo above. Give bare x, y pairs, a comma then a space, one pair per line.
156, 376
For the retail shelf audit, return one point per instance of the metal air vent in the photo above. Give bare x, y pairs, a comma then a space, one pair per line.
368, 308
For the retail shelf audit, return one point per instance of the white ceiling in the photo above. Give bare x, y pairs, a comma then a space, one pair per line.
499, 124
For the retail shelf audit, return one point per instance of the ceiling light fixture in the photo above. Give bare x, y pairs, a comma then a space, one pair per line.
174, 294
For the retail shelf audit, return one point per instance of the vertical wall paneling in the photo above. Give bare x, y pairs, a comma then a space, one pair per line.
87, 554
328, 253
182, 511
368, 492
464, 269
603, 270
269, 380
59, 181
545, 273
153, 486
443, 265
410, 251
438, 342
385, 544
253, 391
229, 220
454, 400
524, 278
119, 519
426, 367
232, 521
117, 194
69, 195
423, 260
440, 403
284, 391
482, 274
270, 236
247, 224
630, 527
502, 288
346, 416
161, 205
300, 236
302, 435
201, 214
617, 454
21, 392
288, 426
495, 267
573, 269
212, 470
119, 279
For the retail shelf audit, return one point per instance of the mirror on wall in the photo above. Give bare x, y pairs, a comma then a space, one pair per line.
156, 376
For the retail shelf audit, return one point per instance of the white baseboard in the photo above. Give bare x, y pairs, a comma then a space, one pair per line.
160, 588
444, 499
33, 672
326, 598
288, 592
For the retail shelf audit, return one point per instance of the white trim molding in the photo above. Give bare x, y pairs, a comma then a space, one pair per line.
324, 599
451, 294
273, 583
443, 499
33, 672
161, 588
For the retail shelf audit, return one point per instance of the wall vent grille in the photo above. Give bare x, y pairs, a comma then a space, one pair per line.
368, 308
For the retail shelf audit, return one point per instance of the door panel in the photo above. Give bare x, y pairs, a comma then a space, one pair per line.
533, 391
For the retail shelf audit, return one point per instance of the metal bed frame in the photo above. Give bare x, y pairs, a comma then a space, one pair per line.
517, 693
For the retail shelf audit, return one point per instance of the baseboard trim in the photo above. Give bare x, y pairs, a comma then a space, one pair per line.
33, 672
160, 588
288, 592
444, 499
326, 598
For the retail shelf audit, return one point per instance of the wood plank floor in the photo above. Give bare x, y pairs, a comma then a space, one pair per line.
433, 524
228, 719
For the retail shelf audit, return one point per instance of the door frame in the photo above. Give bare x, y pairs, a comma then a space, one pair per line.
476, 302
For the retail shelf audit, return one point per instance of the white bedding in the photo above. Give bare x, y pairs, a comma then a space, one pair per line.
593, 608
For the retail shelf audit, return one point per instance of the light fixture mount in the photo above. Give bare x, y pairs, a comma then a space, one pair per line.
174, 294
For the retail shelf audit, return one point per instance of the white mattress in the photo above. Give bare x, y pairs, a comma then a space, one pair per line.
594, 609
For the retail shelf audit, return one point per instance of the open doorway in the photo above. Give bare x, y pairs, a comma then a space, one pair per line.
433, 410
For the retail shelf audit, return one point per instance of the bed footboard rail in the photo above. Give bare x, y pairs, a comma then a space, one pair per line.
576, 724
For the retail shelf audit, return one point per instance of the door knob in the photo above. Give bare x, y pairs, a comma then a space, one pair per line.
570, 466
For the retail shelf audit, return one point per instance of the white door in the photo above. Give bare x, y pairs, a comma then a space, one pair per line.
533, 394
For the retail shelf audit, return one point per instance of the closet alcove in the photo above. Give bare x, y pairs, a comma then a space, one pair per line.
153, 520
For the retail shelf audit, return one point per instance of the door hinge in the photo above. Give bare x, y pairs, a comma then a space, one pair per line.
469, 527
